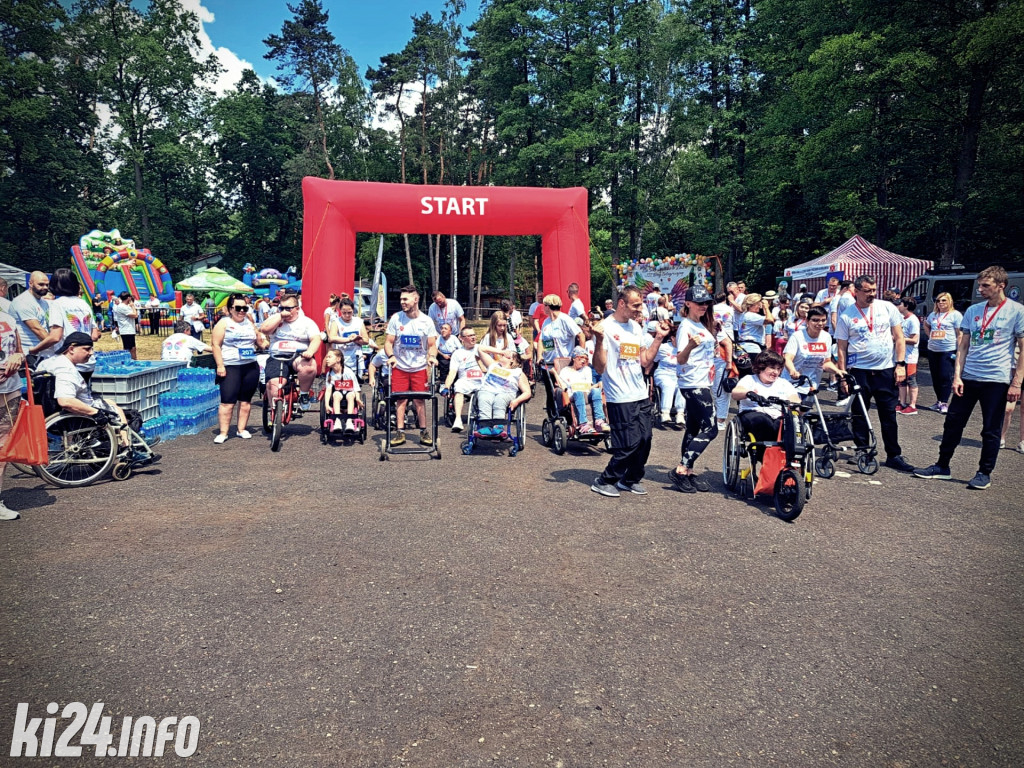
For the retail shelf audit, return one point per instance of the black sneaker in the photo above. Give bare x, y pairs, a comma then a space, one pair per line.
899, 464
700, 483
304, 401
605, 489
934, 472
979, 482
636, 488
683, 482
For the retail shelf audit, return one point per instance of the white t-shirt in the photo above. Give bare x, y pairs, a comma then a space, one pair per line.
942, 330
179, 346
73, 315
452, 313
349, 332
695, 373
623, 376
558, 337
577, 381
990, 354
125, 324
868, 334
68, 381
723, 315
8, 347
448, 346
467, 363
193, 313
911, 327
501, 379
27, 307
751, 327
576, 309
780, 388
809, 355
344, 381
411, 339
294, 336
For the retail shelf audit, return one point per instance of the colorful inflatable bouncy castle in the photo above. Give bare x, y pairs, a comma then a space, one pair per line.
106, 264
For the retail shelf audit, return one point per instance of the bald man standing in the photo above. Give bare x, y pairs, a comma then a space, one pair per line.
31, 311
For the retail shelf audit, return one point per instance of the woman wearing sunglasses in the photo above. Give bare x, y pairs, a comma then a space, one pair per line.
238, 373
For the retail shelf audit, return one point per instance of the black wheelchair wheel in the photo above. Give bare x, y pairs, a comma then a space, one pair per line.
546, 433
867, 464
559, 438
790, 494
80, 451
731, 458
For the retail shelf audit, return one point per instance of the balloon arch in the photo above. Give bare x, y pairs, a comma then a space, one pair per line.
335, 210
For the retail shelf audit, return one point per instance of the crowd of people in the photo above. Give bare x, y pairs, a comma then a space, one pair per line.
635, 364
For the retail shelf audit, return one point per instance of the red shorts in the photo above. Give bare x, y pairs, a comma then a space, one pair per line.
408, 381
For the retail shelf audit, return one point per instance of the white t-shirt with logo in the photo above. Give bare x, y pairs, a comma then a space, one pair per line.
781, 388
179, 346
68, 381
348, 332
942, 330
467, 363
623, 376
411, 340
990, 354
8, 347
558, 337
695, 373
27, 307
911, 327
73, 315
125, 324
294, 336
868, 334
809, 355
452, 313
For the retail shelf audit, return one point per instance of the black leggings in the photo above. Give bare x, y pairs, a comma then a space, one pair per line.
701, 427
940, 365
239, 383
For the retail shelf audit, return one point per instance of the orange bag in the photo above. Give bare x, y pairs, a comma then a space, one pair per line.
773, 462
26, 443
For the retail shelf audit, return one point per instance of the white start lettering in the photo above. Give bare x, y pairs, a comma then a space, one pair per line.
454, 206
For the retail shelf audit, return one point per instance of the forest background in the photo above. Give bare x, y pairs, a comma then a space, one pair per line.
765, 132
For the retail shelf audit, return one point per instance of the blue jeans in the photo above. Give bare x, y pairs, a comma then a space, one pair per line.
579, 404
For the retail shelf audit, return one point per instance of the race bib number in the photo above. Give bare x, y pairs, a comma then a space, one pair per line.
285, 346
548, 344
937, 335
817, 347
344, 385
410, 341
366, 349
629, 352
247, 354
980, 338
474, 373
581, 386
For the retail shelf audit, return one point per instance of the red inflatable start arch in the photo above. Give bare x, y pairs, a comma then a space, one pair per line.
335, 210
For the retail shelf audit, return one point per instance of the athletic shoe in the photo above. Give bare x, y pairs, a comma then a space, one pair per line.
425, 438
336, 425
936, 407
220, 439
943, 407
909, 410
722, 424
1020, 447
6, 513
350, 427
245, 434
457, 425
605, 489
681, 419
397, 438
636, 488
304, 401
899, 464
700, 483
900, 407
979, 482
683, 482
602, 426
1002, 444
844, 402
934, 472
586, 429
666, 418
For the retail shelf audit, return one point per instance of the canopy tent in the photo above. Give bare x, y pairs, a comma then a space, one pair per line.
858, 257
213, 279
13, 275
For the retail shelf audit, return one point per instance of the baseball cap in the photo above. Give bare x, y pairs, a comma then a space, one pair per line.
76, 339
699, 295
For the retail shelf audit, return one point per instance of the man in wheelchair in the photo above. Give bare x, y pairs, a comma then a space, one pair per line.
762, 421
74, 396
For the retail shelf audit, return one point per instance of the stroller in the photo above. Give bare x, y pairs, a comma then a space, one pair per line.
831, 431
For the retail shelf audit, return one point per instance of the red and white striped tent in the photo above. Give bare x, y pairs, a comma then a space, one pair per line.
858, 257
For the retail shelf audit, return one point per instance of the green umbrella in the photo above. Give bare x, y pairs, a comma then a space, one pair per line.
211, 280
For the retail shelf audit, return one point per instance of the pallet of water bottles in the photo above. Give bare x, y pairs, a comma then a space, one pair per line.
188, 409
134, 384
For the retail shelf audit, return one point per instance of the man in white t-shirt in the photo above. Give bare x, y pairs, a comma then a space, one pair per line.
465, 372
32, 312
984, 374
194, 314
125, 315
444, 310
291, 331
826, 296
869, 336
411, 346
181, 344
622, 352
576, 308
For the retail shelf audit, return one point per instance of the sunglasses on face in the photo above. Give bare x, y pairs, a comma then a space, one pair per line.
288, 309
240, 308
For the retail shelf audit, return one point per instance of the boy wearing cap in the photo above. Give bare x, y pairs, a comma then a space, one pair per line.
578, 379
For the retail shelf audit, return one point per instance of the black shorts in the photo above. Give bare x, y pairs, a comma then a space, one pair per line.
277, 369
239, 382
128, 340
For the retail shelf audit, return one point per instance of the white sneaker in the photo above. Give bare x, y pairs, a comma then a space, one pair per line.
457, 425
220, 439
1020, 447
844, 402
7, 514
681, 418
721, 424
245, 434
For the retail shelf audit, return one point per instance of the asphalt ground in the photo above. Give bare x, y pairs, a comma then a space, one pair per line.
318, 607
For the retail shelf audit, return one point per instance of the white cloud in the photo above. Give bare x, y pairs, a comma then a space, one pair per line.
232, 66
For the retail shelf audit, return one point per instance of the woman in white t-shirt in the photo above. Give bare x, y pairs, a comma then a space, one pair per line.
666, 379
942, 329
696, 347
763, 421
70, 313
755, 324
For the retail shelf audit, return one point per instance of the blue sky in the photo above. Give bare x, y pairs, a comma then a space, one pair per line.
368, 29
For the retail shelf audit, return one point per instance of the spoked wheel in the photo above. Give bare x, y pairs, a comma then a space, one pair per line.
559, 438
278, 425
324, 431
23, 468
268, 419
80, 452
546, 433
868, 465
790, 494
731, 459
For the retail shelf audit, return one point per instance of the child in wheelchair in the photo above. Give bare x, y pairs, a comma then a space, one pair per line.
762, 421
503, 389
577, 381
342, 393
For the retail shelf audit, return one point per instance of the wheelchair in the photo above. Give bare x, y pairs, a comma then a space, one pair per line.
327, 420
514, 432
560, 425
83, 449
743, 452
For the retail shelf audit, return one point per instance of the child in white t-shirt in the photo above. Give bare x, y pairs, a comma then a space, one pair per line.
578, 381
342, 386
